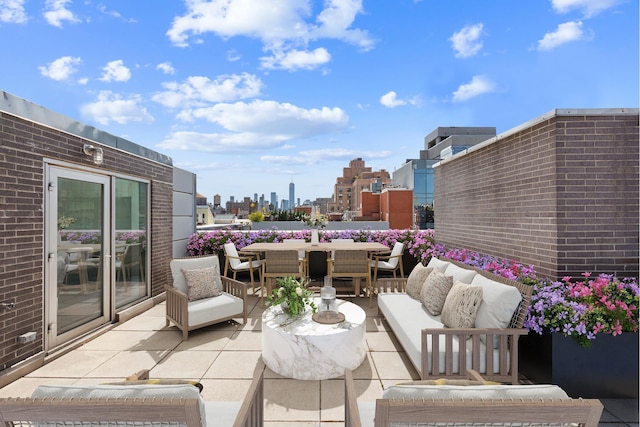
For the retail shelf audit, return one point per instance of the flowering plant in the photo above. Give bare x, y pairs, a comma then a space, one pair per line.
585, 308
65, 222
319, 220
293, 295
419, 243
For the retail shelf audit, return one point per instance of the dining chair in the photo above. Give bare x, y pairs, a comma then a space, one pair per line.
303, 258
389, 263
350, 264
280, 263
340, 241
236, 263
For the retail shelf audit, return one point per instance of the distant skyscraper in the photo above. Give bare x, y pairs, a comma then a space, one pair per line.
274, 200
292, 195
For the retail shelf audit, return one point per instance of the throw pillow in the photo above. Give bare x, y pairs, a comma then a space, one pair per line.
416, 279
461, 306
201, 283
434, 292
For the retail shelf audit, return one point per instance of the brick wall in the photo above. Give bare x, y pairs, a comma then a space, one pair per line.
23, 145
560, 193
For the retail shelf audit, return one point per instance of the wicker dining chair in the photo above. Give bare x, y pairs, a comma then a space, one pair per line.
350, 264
280, 263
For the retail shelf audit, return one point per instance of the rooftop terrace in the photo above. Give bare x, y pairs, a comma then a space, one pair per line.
222, 357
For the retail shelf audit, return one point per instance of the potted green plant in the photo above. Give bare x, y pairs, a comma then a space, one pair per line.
293, 296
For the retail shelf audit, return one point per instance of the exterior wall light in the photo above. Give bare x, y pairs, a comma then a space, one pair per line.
94, 152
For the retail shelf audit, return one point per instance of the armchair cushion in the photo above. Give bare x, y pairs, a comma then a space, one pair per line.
461, 306
416, 280
434, 292
201, 283
223, 306
192, 263
184, 391
502, 391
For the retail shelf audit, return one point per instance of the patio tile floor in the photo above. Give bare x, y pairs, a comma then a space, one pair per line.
222, 358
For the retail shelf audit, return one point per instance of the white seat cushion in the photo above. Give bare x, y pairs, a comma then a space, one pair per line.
501, 391
211, 309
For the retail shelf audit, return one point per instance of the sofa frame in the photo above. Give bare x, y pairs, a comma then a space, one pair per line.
507, 337
25, 411
581, 412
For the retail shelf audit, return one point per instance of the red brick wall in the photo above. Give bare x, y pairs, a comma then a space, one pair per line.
397, 208
561, 194
23, 145
370, 205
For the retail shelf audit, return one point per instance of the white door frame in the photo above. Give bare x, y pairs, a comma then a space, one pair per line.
52, 173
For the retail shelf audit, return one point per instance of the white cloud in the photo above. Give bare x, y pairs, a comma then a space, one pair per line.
256, 125
335, 22
479, 85
466, 42
589, 8
61, 69
285, 27
56, 13
166, 68
12, 12
390, 100
110, 107
115, 71
565, 33
296, 59
344, 154
233, 55
199, 91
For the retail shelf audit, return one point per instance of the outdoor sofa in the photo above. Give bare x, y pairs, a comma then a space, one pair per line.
489, 345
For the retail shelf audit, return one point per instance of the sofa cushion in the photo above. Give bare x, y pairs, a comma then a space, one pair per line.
460, 274
434, 292
503, 391
461, 305
416, 279
201, 283
438, 264
104, 391
499, 302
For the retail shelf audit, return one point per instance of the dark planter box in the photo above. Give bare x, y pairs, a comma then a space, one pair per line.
606, 370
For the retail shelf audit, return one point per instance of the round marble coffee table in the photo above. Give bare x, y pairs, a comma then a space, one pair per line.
304, 349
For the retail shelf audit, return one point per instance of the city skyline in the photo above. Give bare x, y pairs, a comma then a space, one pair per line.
252, 95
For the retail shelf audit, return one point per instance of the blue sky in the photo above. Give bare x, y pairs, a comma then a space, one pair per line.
253, 94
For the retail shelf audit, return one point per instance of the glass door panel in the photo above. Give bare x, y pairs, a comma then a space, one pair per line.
130, 241
78, 300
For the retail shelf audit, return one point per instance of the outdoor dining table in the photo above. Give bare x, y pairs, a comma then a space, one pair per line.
320, 247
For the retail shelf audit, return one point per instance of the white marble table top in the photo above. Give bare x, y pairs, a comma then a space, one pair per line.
302, 348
